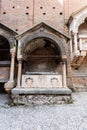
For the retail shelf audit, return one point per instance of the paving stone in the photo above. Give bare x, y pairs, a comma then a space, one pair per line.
45, 117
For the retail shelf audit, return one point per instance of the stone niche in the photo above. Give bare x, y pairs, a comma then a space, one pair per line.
42, 81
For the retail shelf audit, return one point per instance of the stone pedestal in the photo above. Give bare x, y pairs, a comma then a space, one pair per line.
9, 85
41, 89
40, 96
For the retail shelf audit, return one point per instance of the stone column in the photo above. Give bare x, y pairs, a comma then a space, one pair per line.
80, 44
64, 74
12, 65
10, 84
71, 51
19, 71
75, 43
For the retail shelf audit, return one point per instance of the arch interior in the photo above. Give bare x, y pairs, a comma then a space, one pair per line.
41, 56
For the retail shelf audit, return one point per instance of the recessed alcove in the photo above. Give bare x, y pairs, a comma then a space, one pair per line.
4, 61
4, 49
41, 55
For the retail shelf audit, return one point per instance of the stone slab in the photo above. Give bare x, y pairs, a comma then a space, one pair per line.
57, 91
41, 81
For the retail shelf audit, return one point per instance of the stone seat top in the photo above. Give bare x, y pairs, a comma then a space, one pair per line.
53, 91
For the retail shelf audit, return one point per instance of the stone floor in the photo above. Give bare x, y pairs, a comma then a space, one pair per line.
51, 117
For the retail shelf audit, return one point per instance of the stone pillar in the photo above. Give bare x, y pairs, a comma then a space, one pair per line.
71, 51
10, 84
19, 71
75, 43
80, 44
64, 74
12, 65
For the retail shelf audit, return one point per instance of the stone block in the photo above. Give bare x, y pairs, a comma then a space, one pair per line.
37, 96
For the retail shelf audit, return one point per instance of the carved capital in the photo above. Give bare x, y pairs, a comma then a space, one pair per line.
13, 52
13, 49
64, 62
19, 57
64, 57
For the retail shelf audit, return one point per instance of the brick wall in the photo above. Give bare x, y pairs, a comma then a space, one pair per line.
21, 14
50, 11
71, 6
17, 15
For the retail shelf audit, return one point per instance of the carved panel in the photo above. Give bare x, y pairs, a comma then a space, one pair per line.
41, 81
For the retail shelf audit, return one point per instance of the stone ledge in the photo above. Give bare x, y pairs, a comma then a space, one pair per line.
53, 91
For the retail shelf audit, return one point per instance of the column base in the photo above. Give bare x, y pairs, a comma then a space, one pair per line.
9, 85
40, 96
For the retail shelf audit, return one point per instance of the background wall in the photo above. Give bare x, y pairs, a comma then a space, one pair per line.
23, 14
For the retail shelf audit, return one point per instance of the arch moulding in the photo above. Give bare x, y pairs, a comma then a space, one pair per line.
8, 33
78, 19
58, 42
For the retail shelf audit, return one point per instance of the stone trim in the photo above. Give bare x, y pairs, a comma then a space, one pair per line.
78, 19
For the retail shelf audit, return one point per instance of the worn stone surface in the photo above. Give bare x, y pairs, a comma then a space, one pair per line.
40, 99
46, 117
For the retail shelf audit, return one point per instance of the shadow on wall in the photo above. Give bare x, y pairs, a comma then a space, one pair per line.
2, 90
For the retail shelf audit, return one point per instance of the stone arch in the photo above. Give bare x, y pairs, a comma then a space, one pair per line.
5, 37
77, 21
9, 38
80, 20
59, 43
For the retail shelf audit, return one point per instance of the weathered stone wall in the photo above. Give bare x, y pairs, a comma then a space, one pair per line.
77, 83
77, 77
